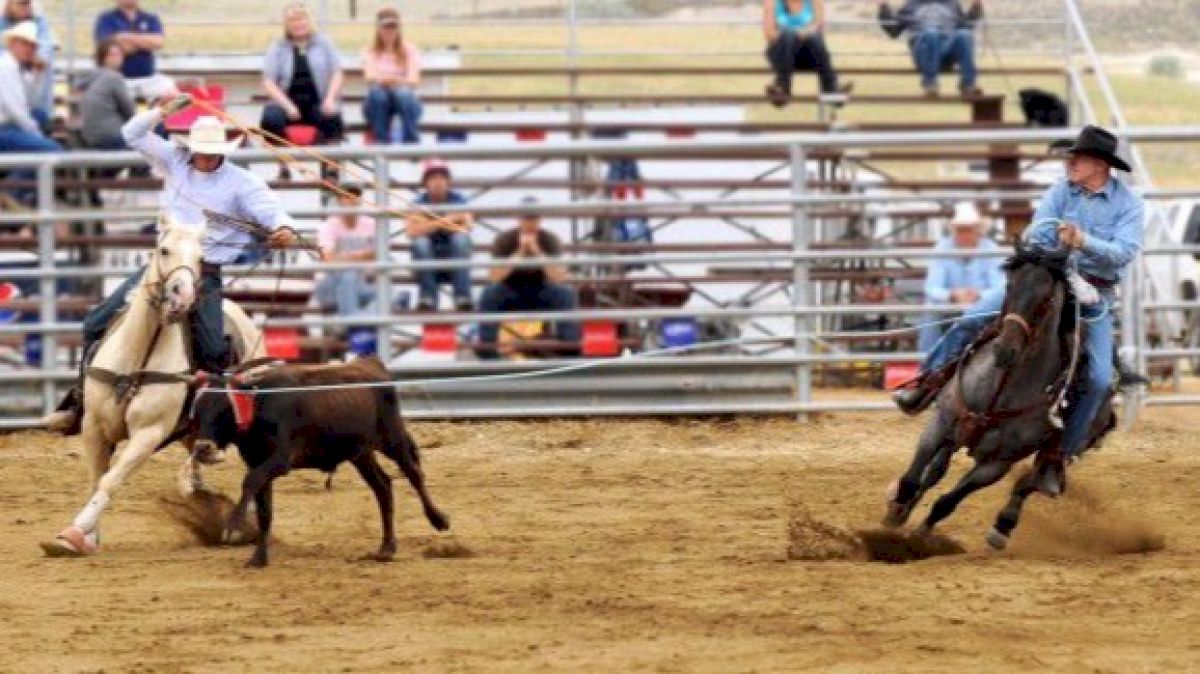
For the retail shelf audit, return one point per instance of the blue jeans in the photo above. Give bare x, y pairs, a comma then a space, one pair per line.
15, 139
934, 51
500, 297
1098, 349
931, 331
383, 103
206, 320
441, 245
347, 291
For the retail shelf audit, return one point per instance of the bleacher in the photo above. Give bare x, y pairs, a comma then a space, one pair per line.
457, 114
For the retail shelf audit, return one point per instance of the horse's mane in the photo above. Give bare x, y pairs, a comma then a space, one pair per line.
1054, 262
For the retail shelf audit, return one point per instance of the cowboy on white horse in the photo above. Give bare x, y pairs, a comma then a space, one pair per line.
197, 181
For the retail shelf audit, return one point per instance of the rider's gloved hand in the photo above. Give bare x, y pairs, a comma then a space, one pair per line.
282, 237
1071, 236
176, 104
1083, 291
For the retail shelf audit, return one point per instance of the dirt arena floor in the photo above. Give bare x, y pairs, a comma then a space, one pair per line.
715, 545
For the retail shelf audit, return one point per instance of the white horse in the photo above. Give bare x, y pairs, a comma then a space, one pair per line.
137, 383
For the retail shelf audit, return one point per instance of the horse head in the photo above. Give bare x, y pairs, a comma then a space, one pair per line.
174, 270
1035, 294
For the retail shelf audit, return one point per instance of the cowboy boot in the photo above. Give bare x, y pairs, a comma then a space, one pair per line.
67, 418
916, 395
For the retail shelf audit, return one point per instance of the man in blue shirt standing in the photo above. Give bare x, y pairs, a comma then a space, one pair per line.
1101, 220
431, 241
140, 34
959, 280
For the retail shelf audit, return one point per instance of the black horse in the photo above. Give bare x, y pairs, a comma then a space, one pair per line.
1000, 403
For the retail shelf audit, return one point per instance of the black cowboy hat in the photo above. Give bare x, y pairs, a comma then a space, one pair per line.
1096, 142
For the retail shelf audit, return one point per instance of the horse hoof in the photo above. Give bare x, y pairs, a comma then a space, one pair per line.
897, 515
893, 490
72, 542
209, 455
924, 529
996, 540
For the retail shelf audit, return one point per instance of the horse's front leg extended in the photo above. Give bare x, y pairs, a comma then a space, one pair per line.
980, 476
928, 466
80, 537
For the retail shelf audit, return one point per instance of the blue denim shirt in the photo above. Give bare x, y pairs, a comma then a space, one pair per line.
952, 273
1112, 219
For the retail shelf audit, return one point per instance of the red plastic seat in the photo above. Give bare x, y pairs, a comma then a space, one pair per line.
439, 338
283, 343
304, 135
895, 374
600, 339
213, 94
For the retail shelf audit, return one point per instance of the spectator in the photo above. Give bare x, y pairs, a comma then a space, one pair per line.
107, 103
302, 75
19, 131
527, 288
940, 34
392, 69
432, 241
140, 34
795, 42
959, 280
41, 89
346, 238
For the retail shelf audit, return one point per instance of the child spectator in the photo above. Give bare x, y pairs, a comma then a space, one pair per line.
346, 238
431, 241
793, 29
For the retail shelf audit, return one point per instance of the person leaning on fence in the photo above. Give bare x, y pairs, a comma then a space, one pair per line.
940, 35
432, 241
1100, 219
19, 131
107, 103
302, 75
197, 178
795, 41
41, 89
346, 238
392, 70
960, 280
140, 34
522, 288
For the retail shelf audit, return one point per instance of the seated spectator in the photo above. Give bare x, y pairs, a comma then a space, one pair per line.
302, 75
527, 288
19, 131
392, 69
140, 34
346, 238
959, 280
107, 103
41, 88
940, 35
432, 241
795, 42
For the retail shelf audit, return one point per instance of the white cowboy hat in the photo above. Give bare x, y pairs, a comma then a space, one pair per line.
207, 136
26, 30
966, 215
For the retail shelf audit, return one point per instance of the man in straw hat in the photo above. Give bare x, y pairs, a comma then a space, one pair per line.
1101, 220
19, 131
959, 280
197, 180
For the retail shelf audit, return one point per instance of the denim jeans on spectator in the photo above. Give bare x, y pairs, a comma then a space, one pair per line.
500, 297
935, 51
441, 245
790, 52
346, 291
15, 139
206, 320
384, 103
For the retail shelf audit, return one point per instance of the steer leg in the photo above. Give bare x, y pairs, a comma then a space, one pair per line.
381, 484
262, 503
258, 478
404, 452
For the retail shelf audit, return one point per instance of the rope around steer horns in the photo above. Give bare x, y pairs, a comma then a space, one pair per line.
273, 147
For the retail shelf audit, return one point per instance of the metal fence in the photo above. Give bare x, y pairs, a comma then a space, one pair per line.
729, 382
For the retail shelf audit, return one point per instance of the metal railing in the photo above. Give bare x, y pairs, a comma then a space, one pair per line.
796, 392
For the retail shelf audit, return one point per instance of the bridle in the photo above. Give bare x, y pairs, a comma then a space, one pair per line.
157, 290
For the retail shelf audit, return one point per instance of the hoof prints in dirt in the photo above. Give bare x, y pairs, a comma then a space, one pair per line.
810, 539
203, 514
447, 548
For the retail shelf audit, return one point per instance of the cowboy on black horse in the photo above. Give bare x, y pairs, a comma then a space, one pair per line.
1100, 219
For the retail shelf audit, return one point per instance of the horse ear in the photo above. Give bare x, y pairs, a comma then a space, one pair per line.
1019, 248
165, 222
